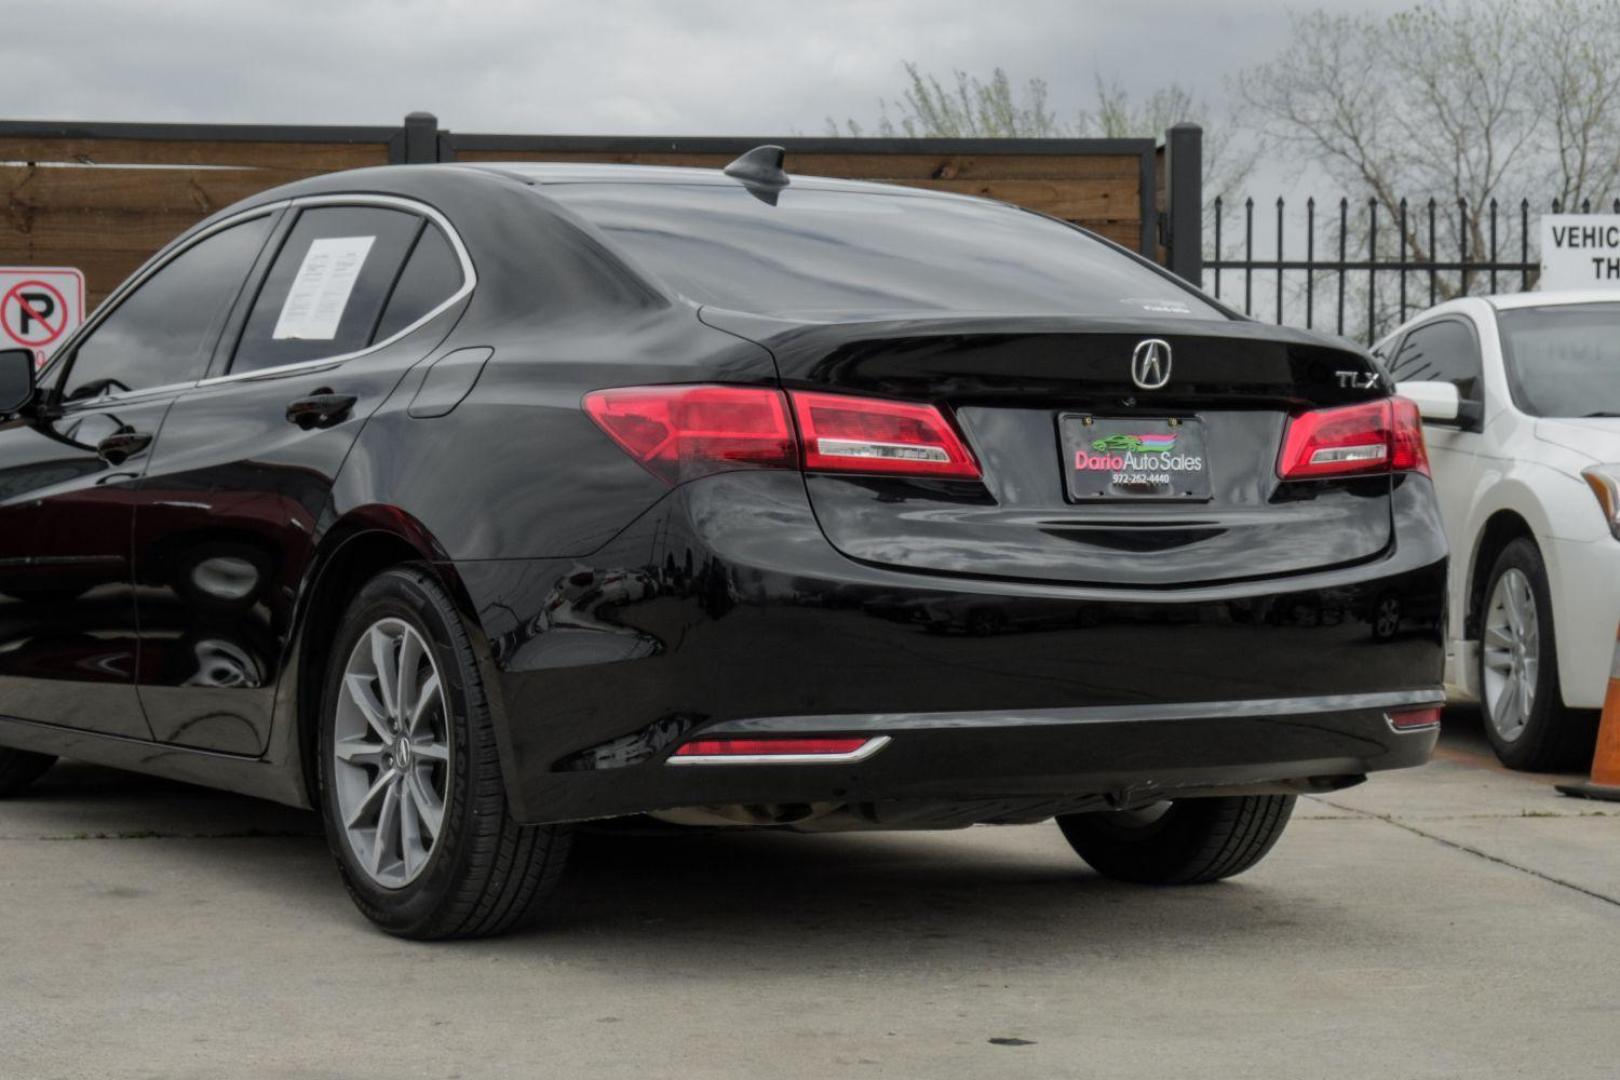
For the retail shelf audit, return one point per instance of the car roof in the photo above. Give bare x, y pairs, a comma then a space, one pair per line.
542, 173
1552, 297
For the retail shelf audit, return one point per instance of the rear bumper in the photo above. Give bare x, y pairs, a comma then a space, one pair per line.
724, 610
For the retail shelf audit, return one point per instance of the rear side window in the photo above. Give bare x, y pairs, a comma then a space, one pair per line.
431, 276
325, 292
164, 332
822, 251
1444, 351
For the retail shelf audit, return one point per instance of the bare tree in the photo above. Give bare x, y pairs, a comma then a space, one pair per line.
966, 106
1466, 101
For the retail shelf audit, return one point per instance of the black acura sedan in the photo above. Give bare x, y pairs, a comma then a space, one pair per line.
466, 503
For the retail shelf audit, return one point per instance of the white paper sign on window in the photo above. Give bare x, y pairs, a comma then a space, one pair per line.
321, 289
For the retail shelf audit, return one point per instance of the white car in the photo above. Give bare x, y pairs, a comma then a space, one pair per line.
1520, 397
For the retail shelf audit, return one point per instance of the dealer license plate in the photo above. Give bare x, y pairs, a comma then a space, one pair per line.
1113, 458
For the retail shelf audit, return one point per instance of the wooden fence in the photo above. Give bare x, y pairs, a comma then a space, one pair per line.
104, 197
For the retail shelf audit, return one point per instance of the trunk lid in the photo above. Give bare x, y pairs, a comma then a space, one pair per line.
1030, 394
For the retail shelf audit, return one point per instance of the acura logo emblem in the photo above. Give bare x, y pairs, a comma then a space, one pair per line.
1150, 364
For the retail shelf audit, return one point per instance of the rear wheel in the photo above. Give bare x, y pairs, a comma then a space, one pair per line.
411, 787
19, 768
1525, 718
1180, 841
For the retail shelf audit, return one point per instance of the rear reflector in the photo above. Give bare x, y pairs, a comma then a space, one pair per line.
1415, 719
1380, 436
870, 435
816, 750
679, 433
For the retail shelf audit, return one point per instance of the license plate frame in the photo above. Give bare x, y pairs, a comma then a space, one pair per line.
1126, 459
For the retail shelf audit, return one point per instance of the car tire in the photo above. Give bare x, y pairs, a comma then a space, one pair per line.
480, 872
19, 768
1179, 842
1546, 736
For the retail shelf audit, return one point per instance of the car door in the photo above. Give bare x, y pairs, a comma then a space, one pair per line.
68, 475
233, 497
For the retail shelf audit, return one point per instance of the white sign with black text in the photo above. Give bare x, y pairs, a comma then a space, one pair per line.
1580, 251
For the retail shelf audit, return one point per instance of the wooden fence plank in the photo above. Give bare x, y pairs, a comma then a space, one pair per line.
199, 191
275, 157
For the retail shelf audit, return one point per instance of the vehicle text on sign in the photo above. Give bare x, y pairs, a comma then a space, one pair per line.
40, 307
1580, 251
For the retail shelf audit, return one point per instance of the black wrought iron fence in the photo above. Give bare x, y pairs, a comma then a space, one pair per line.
1353, 263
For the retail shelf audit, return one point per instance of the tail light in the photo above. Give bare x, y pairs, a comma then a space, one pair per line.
682, 432
849, 434
1380, 436
679, 433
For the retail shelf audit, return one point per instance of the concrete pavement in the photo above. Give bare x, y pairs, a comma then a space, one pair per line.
1457, 920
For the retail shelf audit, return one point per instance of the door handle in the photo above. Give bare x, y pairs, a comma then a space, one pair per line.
321, 409
120, 446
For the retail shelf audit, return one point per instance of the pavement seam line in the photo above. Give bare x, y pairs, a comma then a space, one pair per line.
1471, 850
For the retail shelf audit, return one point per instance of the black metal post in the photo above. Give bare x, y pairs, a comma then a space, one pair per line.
1403, 262
1493, 245
421, 138
1372, 268
1310, 261
1248, 256
1344, 235
1184, 202
1279, 259
1524, 242
1219, 253
1434, 274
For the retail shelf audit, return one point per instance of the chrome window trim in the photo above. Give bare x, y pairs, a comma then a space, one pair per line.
469, 280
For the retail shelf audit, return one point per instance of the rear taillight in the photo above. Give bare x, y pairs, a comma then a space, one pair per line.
682, 432
849, 434
1373, 437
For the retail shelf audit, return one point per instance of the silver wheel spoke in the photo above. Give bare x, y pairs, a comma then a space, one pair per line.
410, 832
432, 751
387, 825
359, 688
426, 803
362, 810
359, 751
382, 660
408, 664
425, 698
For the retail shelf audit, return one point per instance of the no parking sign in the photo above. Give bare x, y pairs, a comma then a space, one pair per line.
39, 307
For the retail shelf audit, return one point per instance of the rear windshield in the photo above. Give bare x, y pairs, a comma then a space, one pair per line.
817, 252
1563, 360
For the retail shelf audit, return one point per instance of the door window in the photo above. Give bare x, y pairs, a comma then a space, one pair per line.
1444, 351
325, 292
164, 332
431, 276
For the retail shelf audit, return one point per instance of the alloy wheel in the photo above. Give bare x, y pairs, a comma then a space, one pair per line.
391, 753
1512, 654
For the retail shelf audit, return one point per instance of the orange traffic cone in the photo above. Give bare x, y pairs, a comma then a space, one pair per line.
1605, 781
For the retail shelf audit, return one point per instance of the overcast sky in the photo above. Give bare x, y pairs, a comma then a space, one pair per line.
597, 66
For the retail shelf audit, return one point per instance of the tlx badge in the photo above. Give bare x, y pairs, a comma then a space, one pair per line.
1357, 380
